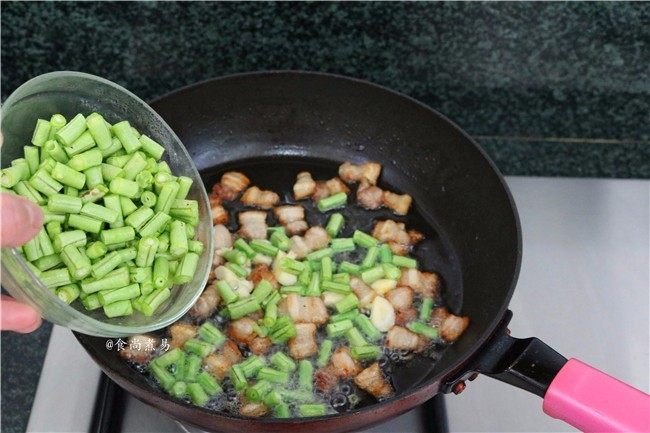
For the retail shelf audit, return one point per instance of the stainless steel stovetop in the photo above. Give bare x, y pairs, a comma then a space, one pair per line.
584, 289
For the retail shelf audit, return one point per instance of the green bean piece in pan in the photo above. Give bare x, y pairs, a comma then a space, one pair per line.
332, 202
83, 143
334, 224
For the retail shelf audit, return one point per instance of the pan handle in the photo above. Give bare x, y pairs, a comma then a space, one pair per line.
573, 391
593, 401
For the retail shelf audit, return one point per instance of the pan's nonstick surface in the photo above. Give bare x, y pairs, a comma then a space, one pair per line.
272, 125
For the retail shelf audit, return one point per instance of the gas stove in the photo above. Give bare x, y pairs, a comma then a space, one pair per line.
583, 289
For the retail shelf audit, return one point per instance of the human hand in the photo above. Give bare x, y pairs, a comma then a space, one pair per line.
20, 220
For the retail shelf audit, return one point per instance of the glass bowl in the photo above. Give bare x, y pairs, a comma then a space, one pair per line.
69, 93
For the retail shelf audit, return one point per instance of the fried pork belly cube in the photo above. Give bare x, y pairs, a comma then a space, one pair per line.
218, 364
260, 345
426, 284
207, 303
303, 345
263, 272
398, 203
336, 185
181, 332
325, 379
296, 227
320, 191
304, 309
139, 348
326, 188
370, 196
260, 198
373, 381
314, 239
252, 224
342, 364
368, 171
219, 213
253, 410
401, 297
242, 331
395, 234
222, 237
400, 338
364, 292
232, 183
299, 247
304, 186
451, 326
404, 317
292, 217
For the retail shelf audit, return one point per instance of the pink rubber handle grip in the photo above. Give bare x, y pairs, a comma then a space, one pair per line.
593, 401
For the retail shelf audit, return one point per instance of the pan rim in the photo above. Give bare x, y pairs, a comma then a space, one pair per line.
418, 389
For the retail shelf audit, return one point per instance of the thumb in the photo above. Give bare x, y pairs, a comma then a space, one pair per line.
20, 220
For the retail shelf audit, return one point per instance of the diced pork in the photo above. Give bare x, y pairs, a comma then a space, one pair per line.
218, 364
222, 237
451, 326
304, 309
252, 224
206, 304
325, 379
426, 284
260, 198
365, 294
342, 364
219, 213
253, 410
314, 239
263, 272
303, 345
369, 196
401, 298
373, 381
180, 332
394, 234
398, 203
139, 348
400, 338
368, 171
304, 186
292, 217
241, 330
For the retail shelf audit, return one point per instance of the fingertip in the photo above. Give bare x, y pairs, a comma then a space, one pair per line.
21, 220
18, 317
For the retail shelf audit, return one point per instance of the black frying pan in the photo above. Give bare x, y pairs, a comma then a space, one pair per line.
271, 125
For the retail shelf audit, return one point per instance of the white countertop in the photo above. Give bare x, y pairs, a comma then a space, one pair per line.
583, 289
